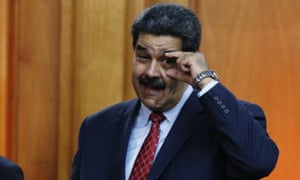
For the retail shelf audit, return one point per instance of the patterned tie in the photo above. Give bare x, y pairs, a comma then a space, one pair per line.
145, 157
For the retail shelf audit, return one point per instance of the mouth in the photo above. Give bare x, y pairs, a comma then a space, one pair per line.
149, 91
150, 88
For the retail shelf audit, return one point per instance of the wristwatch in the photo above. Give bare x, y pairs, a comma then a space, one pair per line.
202, 75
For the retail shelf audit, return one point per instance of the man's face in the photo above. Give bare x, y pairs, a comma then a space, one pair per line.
156, 90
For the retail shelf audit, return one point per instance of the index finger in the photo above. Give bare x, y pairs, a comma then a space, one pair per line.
176, 54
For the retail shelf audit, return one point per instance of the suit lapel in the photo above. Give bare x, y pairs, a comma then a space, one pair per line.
182, 129
118, 139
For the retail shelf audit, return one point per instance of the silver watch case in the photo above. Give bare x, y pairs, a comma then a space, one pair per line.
202, 75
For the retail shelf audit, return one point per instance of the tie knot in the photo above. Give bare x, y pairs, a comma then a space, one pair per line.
157, 117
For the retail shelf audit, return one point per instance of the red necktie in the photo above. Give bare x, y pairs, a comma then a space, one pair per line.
145, 157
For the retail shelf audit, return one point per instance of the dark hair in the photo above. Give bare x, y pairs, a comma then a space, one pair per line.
169, 19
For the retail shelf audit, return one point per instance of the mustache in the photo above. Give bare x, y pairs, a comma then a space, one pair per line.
155, 83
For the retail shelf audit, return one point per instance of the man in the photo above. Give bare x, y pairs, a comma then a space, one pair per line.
203, 131
9, 170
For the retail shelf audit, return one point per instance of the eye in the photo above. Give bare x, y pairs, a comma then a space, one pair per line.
169, 62
143, 57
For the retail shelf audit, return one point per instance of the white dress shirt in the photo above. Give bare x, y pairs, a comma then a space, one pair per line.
142, 126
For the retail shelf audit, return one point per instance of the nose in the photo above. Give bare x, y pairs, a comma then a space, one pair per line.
153, 69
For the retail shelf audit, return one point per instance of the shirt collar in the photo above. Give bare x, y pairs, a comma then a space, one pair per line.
171, 114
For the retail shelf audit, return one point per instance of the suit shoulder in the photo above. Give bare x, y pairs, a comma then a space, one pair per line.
110, 113
10, 168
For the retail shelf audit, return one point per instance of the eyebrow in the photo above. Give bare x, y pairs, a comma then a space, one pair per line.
142, 48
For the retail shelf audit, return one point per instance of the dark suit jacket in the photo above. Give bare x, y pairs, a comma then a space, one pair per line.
9, 170
215, 137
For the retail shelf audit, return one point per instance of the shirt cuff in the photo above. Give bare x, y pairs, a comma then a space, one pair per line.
207, 87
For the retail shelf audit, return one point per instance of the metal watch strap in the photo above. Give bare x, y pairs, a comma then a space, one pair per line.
202, 75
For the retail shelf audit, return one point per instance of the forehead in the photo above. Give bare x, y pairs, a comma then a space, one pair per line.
154, 43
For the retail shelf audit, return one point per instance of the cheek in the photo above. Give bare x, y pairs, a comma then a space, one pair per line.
175, 86
171, 82
137, 69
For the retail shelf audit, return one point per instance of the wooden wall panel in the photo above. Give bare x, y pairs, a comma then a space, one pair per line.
98, 57
7, 79
66, 131
181, 2
37, 87
3, 73
68, 59
92, 67
254, 47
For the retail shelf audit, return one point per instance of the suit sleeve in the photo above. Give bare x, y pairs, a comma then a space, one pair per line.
241, 128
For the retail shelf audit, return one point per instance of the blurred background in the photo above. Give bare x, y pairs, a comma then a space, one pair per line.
61, 60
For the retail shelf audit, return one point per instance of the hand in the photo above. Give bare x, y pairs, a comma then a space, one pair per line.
189, 65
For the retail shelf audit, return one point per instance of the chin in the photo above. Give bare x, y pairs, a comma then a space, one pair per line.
152, 104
